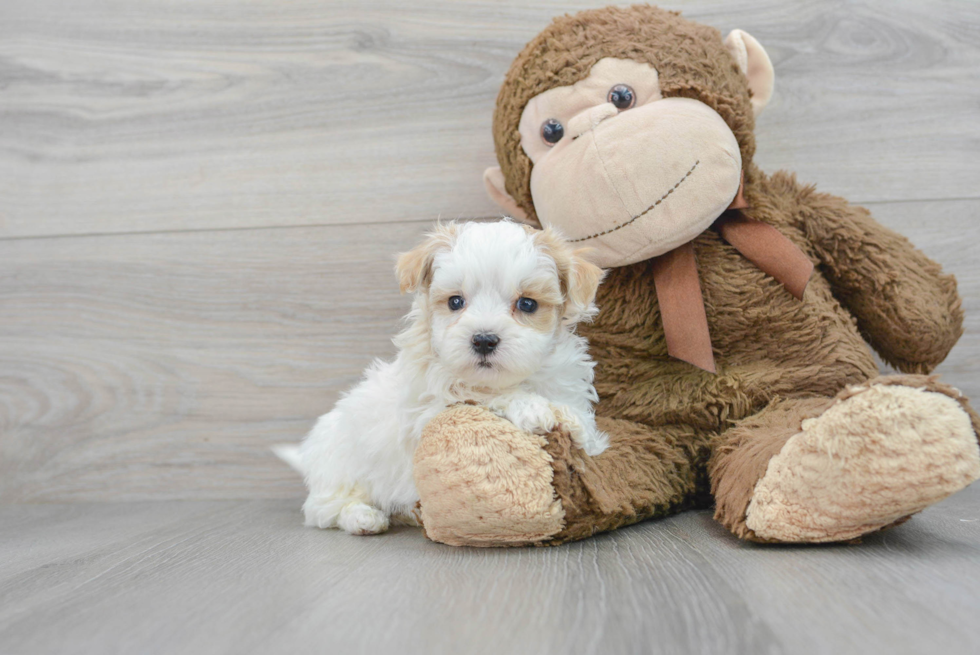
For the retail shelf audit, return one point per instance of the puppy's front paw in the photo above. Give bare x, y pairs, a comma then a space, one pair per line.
582, 430
362, 519
529, 412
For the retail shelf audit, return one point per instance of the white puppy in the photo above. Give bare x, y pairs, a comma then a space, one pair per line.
492, 323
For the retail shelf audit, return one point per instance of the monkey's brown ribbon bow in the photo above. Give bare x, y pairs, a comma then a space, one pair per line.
675, 276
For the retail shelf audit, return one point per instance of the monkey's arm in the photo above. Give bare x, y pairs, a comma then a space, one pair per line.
906, 308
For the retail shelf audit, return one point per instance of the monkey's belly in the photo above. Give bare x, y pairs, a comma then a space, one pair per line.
766, 344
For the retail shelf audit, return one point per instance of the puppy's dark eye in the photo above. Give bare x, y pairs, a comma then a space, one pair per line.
621, 96
552, 131
527, 305
456, 303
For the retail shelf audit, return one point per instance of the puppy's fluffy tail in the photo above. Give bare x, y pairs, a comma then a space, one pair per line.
290, 454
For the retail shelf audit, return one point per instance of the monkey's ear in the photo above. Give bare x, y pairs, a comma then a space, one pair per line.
755, 65
493, 180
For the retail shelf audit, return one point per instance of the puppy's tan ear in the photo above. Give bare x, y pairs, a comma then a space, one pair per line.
414, 268
583, 283
578, 276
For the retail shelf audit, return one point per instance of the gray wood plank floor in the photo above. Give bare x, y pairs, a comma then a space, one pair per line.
199, 207
245, 577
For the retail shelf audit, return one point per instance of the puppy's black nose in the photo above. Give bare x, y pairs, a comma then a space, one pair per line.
485, 343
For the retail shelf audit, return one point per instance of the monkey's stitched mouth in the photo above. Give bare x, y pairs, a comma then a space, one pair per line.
644, 212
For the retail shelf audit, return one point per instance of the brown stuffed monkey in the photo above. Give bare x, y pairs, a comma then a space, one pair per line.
731, 344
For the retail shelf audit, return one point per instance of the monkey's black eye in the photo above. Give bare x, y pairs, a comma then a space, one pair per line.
527, 305
621, 96
552, 131
456, 303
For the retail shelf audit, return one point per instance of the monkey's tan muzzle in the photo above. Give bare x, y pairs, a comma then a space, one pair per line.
640, 183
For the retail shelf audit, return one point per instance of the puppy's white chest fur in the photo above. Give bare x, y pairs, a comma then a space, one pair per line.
493, 323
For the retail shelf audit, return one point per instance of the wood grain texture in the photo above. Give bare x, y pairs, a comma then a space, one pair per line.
245, 577
145, 366
137, 363
244, 173
170, 115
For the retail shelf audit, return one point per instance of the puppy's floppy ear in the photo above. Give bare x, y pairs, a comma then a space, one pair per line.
583, 282
414, 268
579, 277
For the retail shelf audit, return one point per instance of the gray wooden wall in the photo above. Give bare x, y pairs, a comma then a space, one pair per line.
200, 202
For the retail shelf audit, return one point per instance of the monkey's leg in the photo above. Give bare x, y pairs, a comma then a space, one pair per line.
483, 482
833, 469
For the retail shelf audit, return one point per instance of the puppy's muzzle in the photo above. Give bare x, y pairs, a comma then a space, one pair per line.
484, 344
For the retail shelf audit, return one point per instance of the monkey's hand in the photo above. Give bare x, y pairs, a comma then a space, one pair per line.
906, 308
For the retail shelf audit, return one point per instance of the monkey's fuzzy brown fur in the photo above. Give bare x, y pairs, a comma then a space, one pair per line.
671, 421
682, 437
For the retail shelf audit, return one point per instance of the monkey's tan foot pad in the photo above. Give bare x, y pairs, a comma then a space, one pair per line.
879, 454
483, 482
